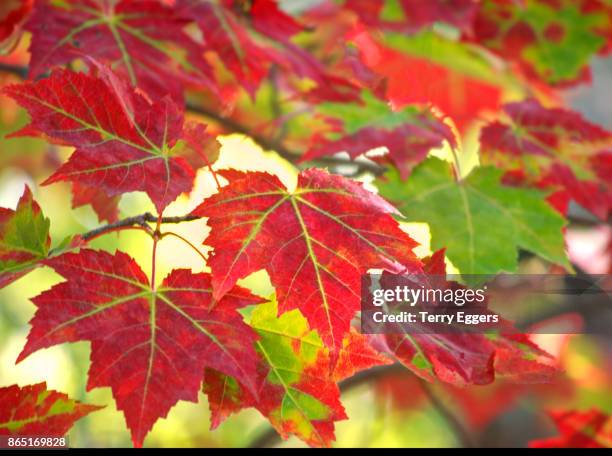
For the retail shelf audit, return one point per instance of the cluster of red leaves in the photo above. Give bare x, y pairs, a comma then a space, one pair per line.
154, 345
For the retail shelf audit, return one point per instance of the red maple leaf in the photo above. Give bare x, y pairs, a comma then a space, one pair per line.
461, 357
431, 83
553, 148
579, 429
145, 42
250, 39
357, 354
34, 410
314, 242
123, 142
149, 345
408, 144
297, 384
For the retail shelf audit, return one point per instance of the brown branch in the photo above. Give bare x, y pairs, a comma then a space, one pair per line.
141, 220
265, 143
19, 70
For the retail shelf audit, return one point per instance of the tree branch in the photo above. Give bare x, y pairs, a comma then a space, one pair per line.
19, 70
269, 144
141, 220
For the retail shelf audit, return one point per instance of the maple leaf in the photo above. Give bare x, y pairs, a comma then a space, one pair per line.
460, 357
408, 134
150, 346
314, 242
519, 359
298, 391
357, 354
24, 238
247, 60
36, 410
144, 41
268, 18
250, 38
471, 216
453, 358
232, 35
443, 73
200, 147
549, 41
456, 357
123, 143
579, 429
553, 148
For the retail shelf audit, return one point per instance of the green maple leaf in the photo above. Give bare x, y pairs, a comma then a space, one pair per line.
24, 238
481, 222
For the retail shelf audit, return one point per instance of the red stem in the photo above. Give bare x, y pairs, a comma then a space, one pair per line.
212, 171
156, 238
186, 241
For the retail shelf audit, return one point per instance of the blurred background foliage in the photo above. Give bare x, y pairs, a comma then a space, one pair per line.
391, 411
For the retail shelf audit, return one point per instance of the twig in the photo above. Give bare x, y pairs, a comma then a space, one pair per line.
19, 70
141, 220
268, 144
186, 241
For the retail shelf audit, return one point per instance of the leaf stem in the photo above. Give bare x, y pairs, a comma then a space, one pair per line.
186, 241
156, 238
457, 166
212, 171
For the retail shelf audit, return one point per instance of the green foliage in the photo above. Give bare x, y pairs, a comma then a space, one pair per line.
481, 222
